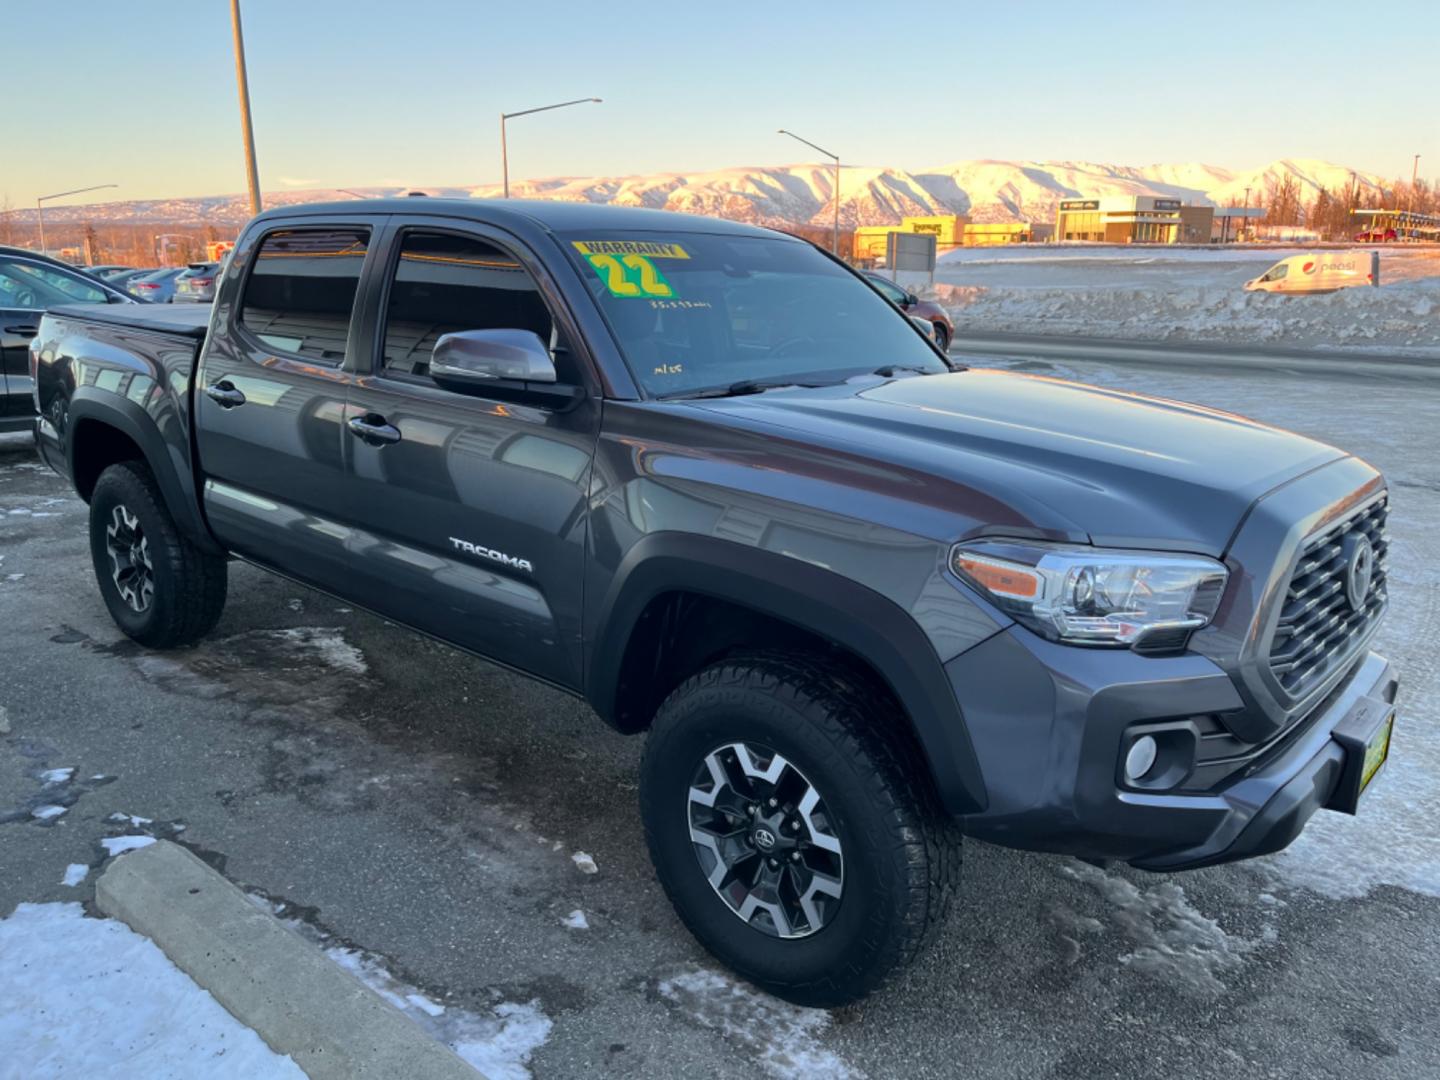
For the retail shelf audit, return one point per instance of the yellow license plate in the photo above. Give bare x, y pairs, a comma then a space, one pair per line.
1377, 752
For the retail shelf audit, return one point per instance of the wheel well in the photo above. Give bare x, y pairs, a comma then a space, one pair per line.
678, 633
94, 448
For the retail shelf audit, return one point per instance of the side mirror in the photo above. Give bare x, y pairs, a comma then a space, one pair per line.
476, 359
911, 299
925, 326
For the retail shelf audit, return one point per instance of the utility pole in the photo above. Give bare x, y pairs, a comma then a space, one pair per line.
1414, 169
40, 206
1245, 218
835, 237
504, 149
252, 177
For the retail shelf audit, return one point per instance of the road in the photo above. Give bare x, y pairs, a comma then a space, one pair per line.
424, 812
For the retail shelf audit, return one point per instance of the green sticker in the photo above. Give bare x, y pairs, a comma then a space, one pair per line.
631, 276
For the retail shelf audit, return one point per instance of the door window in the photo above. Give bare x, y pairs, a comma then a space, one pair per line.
301, 291
1277, 272
893, 293
445, 283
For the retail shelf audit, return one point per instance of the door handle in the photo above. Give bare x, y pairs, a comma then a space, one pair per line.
224, 394
24, 329
372, 429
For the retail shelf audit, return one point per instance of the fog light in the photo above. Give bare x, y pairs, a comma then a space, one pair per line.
1140, 758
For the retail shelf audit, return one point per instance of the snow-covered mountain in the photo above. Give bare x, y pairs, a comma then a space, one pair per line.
803, 194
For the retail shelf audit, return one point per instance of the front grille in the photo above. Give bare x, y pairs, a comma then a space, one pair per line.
1318, 629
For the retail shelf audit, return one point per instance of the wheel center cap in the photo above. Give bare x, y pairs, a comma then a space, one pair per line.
764, 839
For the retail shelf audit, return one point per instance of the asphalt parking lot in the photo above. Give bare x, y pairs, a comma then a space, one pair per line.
442, 822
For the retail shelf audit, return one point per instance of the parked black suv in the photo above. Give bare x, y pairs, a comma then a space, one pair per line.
29, 283
702, 475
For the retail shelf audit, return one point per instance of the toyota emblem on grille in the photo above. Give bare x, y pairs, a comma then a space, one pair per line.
1359, 569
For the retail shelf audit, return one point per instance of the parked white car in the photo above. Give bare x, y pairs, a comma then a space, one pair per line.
1319, 272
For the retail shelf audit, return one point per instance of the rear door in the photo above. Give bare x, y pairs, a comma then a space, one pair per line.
469, 521
270, 396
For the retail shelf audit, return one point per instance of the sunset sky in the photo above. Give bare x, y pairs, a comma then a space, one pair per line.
142, 94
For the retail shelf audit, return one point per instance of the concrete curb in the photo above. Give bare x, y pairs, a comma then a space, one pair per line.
268, 977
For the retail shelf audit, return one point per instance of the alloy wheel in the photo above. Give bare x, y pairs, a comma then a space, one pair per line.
130, 565
765, 841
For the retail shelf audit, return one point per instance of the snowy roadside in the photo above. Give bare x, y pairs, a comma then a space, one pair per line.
1186, 295
1404, 318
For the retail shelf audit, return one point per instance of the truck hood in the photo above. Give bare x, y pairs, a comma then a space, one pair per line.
1042, 456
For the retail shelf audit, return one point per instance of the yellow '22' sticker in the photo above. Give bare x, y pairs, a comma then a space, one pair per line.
627, 268
631, 275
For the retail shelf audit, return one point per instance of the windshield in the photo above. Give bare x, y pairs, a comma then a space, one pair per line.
698, 311
29, 286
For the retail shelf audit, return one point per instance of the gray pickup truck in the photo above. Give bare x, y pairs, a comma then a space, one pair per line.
862, 599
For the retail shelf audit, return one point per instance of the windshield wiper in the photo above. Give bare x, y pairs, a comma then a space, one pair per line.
892, 369
738, 389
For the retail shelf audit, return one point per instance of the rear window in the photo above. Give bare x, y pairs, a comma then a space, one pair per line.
301, 291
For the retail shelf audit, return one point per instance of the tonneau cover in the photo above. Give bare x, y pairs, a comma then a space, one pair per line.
184, 320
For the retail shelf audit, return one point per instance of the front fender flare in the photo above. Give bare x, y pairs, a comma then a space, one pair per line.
811, 598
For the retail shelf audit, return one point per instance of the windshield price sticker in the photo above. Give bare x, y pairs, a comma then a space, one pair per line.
631, 276
626, 268
644, 248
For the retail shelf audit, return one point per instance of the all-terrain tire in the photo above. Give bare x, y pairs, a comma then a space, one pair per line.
187, 587
901, 851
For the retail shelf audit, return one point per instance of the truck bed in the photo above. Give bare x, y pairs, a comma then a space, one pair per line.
184, 320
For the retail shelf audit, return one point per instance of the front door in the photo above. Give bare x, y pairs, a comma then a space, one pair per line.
270, 400
469, 513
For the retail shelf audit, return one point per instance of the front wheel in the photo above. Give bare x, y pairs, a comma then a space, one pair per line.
161, 589
942, 337
793, 827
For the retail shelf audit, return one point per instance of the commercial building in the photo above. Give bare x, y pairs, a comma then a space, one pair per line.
1134, 219
950, 231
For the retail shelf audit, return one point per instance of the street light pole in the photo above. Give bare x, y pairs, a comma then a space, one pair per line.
835, 236
252, 176
504, 149
40, 208
1414, 169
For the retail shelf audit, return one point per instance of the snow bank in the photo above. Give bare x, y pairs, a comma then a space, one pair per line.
1405, 316
89, 997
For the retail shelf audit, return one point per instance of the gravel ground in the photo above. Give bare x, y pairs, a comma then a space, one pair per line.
425, 816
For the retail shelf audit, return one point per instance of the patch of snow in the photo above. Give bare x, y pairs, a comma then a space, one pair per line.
57, 776
784, 1039
1173, 942
47, 813
90, 997
584, 862
499, 1044
118, 845
576, 920
4, 720
75, 873
324, 643
13, 577
119, 818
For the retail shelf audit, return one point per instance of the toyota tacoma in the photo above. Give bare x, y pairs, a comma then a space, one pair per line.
863, 600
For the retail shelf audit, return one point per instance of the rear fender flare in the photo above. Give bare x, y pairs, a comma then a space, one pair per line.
167, 459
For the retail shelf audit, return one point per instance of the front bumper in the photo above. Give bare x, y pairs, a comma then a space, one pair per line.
1048, 722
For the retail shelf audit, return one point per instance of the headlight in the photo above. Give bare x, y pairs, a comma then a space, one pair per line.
1095, 596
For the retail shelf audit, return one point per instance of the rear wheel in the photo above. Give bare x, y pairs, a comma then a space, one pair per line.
792, 825
161, 589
